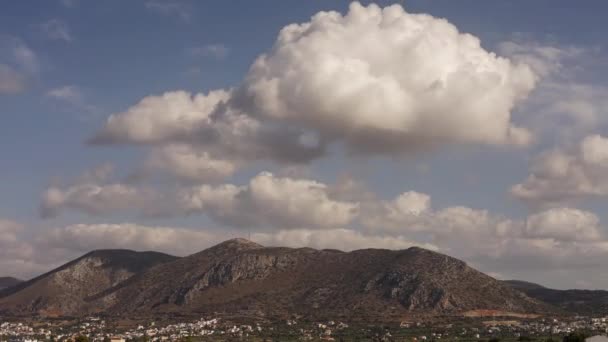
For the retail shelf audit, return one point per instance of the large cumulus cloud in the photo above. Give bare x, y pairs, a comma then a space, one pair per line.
388, 80
379, 81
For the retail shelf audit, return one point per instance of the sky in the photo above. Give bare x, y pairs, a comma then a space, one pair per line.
475, 129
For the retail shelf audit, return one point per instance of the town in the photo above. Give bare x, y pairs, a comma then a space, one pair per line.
216, 329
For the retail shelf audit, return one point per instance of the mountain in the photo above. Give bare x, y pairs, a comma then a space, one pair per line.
582, 302
240, 278
6, 282
63, 291
523, 285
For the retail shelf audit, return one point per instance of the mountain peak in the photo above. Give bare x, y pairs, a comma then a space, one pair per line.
239, 276
239, 244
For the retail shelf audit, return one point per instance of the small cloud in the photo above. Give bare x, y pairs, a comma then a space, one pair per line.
73, 97
193, 71
171, 8
11, 81
18, 64
69, 94
22, 54
56, 29
69, 3
217, 51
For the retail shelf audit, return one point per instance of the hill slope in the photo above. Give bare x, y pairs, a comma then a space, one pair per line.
242, 278
63, 291
523, 285
6, 282
583, 302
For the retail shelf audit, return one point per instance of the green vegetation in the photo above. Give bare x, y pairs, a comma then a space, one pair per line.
575, 337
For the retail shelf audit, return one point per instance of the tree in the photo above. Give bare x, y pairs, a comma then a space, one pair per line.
575, 337
494, 339
81, 338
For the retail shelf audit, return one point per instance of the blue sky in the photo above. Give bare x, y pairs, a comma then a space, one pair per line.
67, 66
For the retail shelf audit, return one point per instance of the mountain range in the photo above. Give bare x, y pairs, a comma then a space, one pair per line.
243, 279
582, 302
8, 282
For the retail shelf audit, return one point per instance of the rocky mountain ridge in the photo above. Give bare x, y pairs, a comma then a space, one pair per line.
239, 277
582, 302
63, 291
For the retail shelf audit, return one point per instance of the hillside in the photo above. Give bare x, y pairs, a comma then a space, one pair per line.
582, 302
63, 291
6, 282
241, 278
523, 285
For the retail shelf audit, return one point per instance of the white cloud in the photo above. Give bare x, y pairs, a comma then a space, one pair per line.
26, 255
383, 92
188, 163
563, 175
93, 199
56, 29
565, 105
93, 196
11, 81
8, 231
412, 212
73, 98
551, 242
69, 3
170, 8
23, 55
269, 201
18, 64
69, 94
375, 79
204, 122
566, 110
175, 241
564, 224
543, 59
155, 119
15, 254
217, 51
